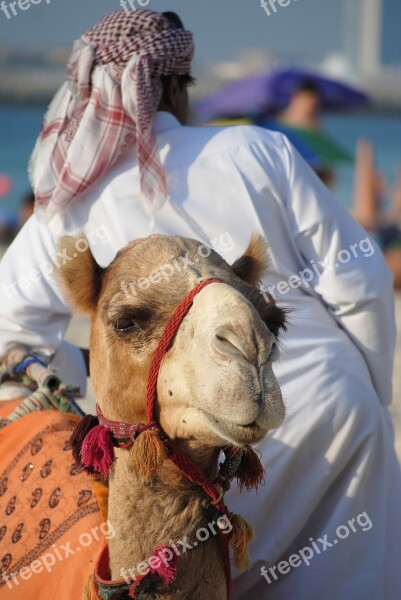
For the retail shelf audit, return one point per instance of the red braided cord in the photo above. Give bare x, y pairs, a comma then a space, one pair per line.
122, 431
131, 430
181, 460
192, 472
165, 341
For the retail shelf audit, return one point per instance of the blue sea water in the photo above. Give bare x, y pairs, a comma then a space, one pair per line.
384, 130
19, 127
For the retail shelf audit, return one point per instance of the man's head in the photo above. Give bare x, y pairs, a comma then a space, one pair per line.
175, 99
175, 87
122, 71
121, 36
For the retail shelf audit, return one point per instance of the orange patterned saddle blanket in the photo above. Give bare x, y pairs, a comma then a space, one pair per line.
52, 517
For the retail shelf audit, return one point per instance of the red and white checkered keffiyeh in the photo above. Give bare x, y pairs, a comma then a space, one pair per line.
107, 104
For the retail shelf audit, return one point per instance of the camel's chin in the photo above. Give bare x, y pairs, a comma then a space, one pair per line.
234, 433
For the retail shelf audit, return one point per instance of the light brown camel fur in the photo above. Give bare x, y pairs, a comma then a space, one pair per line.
215, 386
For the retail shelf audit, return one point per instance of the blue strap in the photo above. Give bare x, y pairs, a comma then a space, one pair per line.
78, 409
27, 362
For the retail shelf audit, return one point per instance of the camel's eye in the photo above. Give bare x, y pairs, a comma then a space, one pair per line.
126, 326
128, 321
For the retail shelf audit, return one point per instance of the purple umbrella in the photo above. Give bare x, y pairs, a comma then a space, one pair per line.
273, 91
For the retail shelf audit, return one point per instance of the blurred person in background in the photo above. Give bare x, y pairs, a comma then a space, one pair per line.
7, 219
304, 108
333, 460
369, 209
11, 224
304, 111
302, 115
26, 209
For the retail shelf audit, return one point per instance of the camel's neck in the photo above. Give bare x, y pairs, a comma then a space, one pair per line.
167, 512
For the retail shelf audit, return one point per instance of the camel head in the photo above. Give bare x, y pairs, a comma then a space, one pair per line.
216, 384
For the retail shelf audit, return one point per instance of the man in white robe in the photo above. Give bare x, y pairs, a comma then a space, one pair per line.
328, 520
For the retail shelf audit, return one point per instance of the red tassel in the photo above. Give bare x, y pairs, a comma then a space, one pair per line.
250, 473
132, 589
77, 438
97, 450
167, 570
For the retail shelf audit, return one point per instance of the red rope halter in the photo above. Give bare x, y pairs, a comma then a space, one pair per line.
124, 434
165, 341
129, 431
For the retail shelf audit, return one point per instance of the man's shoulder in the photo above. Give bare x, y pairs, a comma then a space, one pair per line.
226, 139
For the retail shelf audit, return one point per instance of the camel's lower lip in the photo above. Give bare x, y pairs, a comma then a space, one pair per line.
235, 433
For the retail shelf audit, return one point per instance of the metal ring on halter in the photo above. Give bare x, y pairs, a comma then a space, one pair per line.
219, 499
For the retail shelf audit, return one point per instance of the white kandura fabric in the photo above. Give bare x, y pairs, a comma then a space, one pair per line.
333, 459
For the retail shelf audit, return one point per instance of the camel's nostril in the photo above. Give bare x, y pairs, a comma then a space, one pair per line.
232, 344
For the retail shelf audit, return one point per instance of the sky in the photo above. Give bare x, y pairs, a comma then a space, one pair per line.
302, 30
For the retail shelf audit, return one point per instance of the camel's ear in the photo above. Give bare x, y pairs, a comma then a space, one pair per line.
79, 274
254, 262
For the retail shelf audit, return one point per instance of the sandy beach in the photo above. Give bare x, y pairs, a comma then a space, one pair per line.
78, 333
